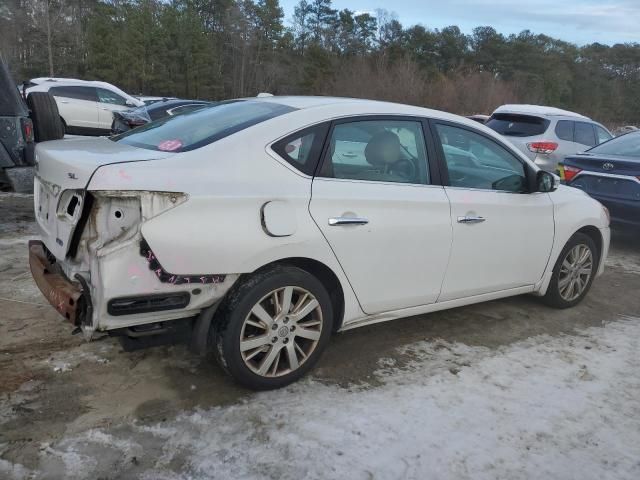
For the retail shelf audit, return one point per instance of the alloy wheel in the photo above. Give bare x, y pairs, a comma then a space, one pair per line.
281, 331
575, 272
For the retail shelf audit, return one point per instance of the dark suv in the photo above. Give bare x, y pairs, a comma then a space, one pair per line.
21, 125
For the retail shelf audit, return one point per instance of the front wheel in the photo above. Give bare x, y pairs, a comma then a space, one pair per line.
573, 272
273, 327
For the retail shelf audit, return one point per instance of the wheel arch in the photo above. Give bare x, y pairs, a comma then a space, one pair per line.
594, 233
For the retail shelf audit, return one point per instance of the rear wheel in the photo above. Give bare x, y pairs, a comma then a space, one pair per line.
573, 272
273, 327
45, 116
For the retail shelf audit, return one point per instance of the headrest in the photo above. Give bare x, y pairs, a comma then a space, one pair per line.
383, 149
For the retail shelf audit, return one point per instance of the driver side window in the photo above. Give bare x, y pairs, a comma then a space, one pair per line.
377, 150
474, 161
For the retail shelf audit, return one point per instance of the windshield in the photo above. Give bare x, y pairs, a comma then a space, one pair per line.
627, 145
516, 125
195, 129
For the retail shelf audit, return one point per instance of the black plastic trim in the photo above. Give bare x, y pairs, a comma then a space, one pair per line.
147, 303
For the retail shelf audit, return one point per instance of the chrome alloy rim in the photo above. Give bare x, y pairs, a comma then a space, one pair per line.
575, 272
281, 331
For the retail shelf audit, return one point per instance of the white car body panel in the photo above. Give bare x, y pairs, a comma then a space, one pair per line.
404, 262
81, 113
509, 249
399, 258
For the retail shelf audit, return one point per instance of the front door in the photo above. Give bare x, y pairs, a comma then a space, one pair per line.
502, 234
374, 202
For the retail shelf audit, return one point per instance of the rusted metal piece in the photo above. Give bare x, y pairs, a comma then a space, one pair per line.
62, 294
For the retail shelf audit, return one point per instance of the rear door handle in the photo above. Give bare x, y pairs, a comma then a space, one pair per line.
471, 219
337, 221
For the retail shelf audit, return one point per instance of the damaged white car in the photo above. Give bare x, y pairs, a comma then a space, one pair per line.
269, 223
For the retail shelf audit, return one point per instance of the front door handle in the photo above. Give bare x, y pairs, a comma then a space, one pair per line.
337, 221
471, 219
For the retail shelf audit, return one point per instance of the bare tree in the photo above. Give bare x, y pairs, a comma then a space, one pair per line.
45, 15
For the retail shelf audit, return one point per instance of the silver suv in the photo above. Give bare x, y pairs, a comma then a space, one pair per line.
547, 134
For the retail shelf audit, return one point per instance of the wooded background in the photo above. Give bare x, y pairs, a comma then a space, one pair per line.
218, 49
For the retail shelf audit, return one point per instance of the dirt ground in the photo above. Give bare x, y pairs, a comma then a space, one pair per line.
53, 384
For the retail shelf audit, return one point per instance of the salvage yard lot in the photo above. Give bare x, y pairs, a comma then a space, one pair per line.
507, 389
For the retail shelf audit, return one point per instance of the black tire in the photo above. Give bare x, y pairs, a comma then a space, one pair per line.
227, 329
553, 297
45, 117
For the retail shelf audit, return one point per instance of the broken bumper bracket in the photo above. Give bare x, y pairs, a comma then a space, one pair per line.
64, 295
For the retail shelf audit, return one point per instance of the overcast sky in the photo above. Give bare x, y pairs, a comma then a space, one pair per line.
577, 21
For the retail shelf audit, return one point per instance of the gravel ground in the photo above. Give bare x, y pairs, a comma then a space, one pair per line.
506, 389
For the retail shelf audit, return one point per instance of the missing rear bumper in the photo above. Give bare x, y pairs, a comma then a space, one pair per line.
70, 299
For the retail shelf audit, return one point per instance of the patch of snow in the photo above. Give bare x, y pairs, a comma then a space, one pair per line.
66, 360
627, 262
13, 471
547, 407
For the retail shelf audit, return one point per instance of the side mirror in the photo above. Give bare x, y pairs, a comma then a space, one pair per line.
129, 103
546, 181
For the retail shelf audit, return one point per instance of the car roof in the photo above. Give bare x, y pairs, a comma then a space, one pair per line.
542, 110
381, 107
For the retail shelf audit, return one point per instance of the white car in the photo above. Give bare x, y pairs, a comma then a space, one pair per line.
86, 107
276, 221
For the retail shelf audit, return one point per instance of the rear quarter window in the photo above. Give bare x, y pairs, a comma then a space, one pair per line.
516, 125
564, 130
302, 149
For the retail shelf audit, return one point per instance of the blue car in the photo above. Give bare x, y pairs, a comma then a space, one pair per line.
610, 173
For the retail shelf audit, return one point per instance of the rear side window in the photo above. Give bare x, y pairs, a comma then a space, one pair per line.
182, 133
564, 130
377, 150
302, 149
79, 93
516, 125
584, 134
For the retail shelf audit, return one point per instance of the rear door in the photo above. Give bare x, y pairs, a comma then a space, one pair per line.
502, 235
77, 105
376, 200
109, 102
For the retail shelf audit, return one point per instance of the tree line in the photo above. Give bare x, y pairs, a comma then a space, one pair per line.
217, 49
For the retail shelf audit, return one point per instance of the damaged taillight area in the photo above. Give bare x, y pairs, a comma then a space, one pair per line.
124, 280
118, 215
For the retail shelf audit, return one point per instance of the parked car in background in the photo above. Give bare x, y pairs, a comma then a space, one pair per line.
21, 125
152, 100
86, 107
610, 173
547, 134
626, 129
269, 223
128, 119
479, 118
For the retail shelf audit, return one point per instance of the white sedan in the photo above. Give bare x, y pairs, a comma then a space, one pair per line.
269, 223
